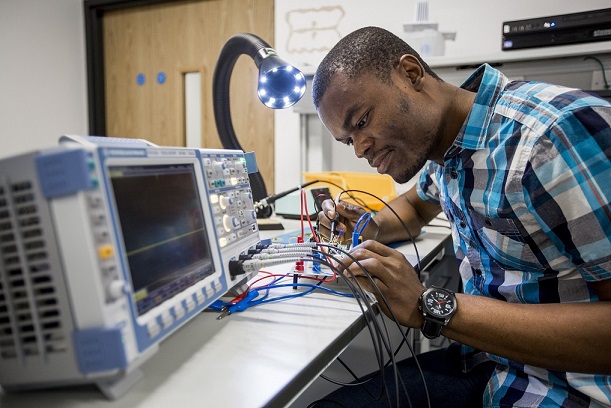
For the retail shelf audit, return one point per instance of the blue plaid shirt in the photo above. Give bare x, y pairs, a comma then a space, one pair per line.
527, 189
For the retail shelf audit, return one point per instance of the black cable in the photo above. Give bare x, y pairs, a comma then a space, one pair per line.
394, 318
357, 200
313, 404
356, 378
602, 68
379, 340
372, 319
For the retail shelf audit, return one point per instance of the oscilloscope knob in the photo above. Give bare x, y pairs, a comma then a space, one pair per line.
247, 196
116, 289
250, 215
240, 168
218, 166
225, 201
230, 223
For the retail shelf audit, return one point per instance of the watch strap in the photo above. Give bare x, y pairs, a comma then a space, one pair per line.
431, 329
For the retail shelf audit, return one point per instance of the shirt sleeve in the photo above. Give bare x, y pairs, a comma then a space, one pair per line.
428, 185
567, 187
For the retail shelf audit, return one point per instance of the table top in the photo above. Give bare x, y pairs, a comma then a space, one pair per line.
263, 356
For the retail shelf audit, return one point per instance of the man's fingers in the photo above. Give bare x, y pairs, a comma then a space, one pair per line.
374, 247
370, 283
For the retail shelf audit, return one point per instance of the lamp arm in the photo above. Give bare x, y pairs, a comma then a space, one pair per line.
237, 45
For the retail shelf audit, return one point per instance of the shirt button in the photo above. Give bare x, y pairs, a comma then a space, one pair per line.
454, 174
488, 223
478, 272
463, 224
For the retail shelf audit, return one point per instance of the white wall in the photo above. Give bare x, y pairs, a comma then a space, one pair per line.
43, 85
306, 31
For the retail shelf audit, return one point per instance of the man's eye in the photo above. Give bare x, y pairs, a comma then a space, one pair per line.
363, 122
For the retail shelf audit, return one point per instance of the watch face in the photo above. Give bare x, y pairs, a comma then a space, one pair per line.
439, 303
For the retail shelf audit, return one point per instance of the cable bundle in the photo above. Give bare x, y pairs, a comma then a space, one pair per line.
332, 256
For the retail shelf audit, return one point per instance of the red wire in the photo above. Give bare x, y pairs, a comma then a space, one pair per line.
307, 214
303, 210
303, 207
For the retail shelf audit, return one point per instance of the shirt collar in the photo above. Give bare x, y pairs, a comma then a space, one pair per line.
488, 83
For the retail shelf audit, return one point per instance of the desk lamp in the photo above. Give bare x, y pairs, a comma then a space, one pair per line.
280, 86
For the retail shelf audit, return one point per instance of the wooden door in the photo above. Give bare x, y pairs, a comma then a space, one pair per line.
149, 49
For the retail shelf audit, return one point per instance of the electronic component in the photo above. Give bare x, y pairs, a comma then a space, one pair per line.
574, 28
107, 247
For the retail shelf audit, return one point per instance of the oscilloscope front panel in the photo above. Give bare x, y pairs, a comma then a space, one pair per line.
107, 248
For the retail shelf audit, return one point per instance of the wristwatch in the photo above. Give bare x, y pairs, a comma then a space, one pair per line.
438, 305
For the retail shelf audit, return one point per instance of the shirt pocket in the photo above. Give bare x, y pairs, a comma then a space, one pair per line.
502, 240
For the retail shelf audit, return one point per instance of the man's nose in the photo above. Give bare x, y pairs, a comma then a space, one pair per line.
361, 146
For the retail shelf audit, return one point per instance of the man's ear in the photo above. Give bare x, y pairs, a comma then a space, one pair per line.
412, 69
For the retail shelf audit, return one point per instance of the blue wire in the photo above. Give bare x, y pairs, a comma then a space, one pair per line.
314, 287
252, 299
359, 227
220, 305
277, 279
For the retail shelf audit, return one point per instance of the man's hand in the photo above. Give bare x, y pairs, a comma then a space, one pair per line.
346, 216
394, 281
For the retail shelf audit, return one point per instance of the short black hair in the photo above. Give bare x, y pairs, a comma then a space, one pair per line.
368, 49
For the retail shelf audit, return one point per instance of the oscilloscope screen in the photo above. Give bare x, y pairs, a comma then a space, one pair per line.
163, 229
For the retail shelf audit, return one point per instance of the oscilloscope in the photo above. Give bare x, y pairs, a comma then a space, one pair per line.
107, 246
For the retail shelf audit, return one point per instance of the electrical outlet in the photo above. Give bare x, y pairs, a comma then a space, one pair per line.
598, 82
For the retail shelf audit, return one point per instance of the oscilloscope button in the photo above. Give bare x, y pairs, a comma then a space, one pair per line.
105, 251
190, 303
94, 201
98, 219
152, 329
166, 319
179, 311
102, 236
209, 291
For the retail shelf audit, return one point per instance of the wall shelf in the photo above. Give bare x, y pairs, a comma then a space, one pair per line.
531, 54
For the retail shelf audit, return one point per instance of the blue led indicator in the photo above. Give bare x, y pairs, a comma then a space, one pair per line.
161, 78
140, 79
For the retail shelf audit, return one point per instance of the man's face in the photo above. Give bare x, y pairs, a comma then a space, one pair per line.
392, 125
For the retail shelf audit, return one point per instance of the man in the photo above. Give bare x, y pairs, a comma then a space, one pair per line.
522, 170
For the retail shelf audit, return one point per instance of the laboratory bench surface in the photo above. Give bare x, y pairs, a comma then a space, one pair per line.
264, 356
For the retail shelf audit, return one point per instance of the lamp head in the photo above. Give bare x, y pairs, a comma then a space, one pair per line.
280, 84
